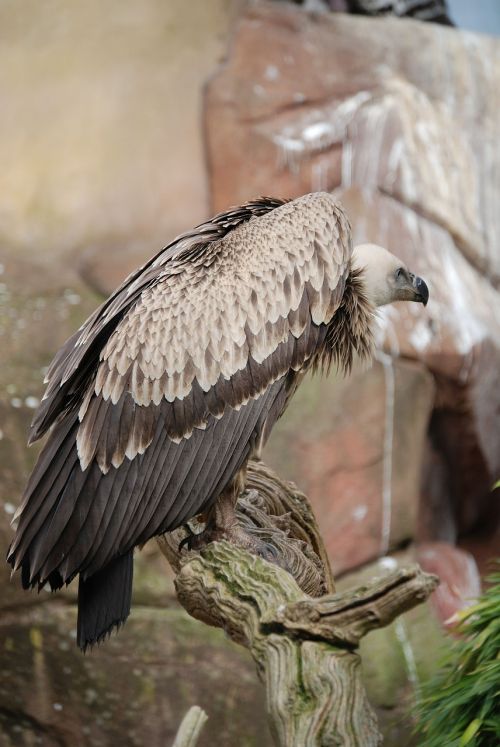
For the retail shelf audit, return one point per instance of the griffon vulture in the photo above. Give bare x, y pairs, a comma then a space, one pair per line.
156, 404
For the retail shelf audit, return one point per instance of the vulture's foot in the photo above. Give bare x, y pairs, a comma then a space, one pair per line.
235, 534
222, 524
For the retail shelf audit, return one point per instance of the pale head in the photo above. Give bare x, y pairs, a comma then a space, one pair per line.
386, 278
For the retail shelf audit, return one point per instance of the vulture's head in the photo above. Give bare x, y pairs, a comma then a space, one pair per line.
386, 278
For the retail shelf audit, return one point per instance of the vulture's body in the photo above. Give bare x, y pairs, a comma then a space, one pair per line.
156, 404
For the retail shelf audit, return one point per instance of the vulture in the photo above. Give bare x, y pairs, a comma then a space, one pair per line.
155, 405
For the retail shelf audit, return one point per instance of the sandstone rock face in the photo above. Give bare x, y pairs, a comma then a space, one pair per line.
460, 582
400, 119
132, 691
100, 139
297, 89
40, 307
360, 459
457, 338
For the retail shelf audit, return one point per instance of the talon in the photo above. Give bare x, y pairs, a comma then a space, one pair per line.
186, 542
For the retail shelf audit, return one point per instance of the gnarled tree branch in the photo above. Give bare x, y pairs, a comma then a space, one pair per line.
302, 635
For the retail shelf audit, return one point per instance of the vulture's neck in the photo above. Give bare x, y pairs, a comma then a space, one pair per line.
349, 333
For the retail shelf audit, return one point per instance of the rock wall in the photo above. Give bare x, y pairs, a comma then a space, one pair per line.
133, 691
100, 139
401, 120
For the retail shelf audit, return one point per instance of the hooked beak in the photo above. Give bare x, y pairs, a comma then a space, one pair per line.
421, 290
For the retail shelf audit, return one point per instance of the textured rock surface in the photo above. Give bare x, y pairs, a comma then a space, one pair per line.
132, 691
40, 306
458, 340
460, 582
396, 132
296, 89
100, 139
360, 459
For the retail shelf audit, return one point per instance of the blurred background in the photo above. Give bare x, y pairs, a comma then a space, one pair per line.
122, 124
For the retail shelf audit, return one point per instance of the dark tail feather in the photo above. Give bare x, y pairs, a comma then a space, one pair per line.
104, 600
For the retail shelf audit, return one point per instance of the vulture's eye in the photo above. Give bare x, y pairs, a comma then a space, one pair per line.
400, 273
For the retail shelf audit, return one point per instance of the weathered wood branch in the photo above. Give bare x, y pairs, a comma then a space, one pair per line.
343, 619
190, 728
301, 634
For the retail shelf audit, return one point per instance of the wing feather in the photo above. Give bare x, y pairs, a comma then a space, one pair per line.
122, 483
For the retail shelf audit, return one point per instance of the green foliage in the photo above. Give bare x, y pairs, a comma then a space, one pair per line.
460, 706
